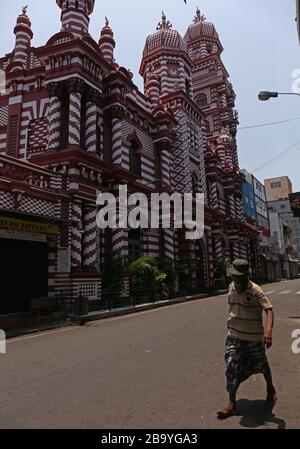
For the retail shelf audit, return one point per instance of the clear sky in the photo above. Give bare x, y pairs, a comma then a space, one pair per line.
261, 50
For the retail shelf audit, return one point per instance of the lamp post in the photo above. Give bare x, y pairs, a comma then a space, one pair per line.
266, 95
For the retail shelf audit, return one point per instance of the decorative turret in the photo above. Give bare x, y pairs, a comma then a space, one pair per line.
24, 35
107, 43
165, 55
202, 38
75, 16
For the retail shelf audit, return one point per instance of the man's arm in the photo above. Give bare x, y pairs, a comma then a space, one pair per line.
267, 339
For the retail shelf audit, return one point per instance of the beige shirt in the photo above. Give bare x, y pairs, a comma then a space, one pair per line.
245, 312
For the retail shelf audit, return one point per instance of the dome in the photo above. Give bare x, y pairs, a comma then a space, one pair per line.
165, 38
200, 28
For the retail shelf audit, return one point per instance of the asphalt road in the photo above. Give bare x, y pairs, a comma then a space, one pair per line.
157, 369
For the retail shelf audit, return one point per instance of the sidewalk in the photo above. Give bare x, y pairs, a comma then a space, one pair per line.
104, 314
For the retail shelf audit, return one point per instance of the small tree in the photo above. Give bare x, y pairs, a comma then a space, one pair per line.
147, 280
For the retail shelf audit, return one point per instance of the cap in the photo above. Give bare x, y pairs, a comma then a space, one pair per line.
240, 267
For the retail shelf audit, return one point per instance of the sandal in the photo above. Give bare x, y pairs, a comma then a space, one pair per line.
223, 414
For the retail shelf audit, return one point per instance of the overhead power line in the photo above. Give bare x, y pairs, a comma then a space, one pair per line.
278, 156
269, 124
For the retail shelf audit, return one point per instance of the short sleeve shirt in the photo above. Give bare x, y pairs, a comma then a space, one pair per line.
245, 312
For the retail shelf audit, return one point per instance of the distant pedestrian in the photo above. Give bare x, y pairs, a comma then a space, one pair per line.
247, 338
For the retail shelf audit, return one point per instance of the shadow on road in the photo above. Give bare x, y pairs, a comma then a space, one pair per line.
254, 414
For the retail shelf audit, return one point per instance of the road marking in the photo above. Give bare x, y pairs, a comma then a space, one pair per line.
298, 293
42, 334
284, 292
270, 292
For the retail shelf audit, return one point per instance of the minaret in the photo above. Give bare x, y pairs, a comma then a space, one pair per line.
75, 16
107, 43
24, 35
212, 90
165, 56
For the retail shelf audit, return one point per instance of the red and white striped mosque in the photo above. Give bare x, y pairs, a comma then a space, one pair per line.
74, 124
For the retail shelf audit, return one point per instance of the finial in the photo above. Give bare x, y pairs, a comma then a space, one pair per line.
198, 16
24, 10
106, 22
164, 24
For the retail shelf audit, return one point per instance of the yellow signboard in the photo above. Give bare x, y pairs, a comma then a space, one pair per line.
27, 226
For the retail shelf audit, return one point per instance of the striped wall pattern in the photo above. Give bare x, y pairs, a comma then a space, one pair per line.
33, 110
148, 170
169, 244
236, 249
128, 129
107, 44
22, 51
214, 203
231, 202
221, 153
238, 207
76, 245
243, 251
141, 100
91, 127
100, 123
181, 177
228, 156
168, 84
54, 123
117, 141
165, 167
152, 88
151, 244
3, 142
218, 251
90, 238
74, 118
120, 241
74, 18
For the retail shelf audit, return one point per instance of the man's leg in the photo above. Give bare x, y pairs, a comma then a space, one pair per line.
271, 392
230, 408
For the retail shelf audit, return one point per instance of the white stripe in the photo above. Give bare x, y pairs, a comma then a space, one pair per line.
284, 292
270, 292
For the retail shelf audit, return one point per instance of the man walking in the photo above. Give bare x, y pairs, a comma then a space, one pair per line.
247, 337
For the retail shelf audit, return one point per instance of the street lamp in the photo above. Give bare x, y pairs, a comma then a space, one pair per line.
266, 95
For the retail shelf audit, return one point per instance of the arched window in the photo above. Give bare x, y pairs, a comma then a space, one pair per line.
76, 4
135, 160
202, 101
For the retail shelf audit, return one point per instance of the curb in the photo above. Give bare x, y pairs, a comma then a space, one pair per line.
144, 307
97, 316
31, 331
